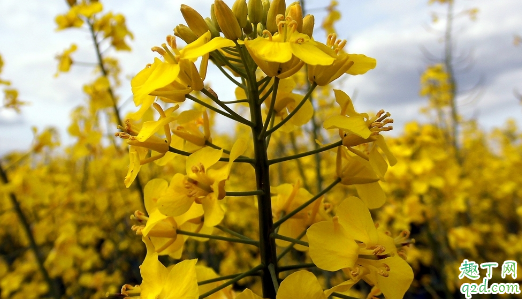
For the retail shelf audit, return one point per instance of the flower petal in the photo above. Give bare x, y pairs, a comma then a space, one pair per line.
399, 279
354, 124
355, 217
301, 284
371, 194
362, 64
182, 281
331, 247
175, 200
213, 211
269, 50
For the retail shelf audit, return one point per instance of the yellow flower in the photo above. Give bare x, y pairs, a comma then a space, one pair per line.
201, 185
178, 65
281, 54
159, 228
353, 64
159, 282
65, 60
301, 284
287, 198
141, 141
352, 243
285, 103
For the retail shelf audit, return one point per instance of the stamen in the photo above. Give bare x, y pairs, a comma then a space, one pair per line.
159, 50
266, 32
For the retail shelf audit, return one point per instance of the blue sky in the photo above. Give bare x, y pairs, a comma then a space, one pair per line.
391, 31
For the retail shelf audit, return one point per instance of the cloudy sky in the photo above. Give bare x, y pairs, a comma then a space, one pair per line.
393, 32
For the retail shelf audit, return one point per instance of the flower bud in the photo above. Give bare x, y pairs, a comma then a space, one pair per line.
213, 30
308, 25
255, 11
214, 18
194, 20
296, 13
266, 7
227, 20
277, 7
240, 10
185, 33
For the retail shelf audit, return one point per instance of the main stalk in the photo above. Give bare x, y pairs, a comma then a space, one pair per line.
267, 245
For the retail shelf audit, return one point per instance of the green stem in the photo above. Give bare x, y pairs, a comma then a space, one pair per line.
245, 193
32, 243
220, 227
289, 247
273, 274
322, 149
291, 114
220, 278
267, 94
235, 102
294, 267
270, 110
217, 101
236, 240
229, 76
184, 153
267, 247
280, 237
232, 281
310, 201
217, 55
188, 96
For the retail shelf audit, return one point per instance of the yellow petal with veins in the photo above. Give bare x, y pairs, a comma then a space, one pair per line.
372, 194
269, 50
301, 284
355, 217
354, 124
331, 247
362, 64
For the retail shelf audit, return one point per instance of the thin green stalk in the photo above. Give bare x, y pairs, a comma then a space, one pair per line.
273, 274
322, 149
280, 237
217, 55
300, 167
233, 233
289, 247
99, 56
221, 278
263, 82
291, 114
188, 96
267, 247
245, 193
310, 201
270, 110
232, 281
295, 267
267, 94
217, 101
231, 51
184, 153
32, 243
235, 102
228, 76
236, 240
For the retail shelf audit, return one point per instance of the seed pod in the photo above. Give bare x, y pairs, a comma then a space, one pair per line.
308, 25
255, 11
296, 13
185, 33
227, 20
194, 20
240, 10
